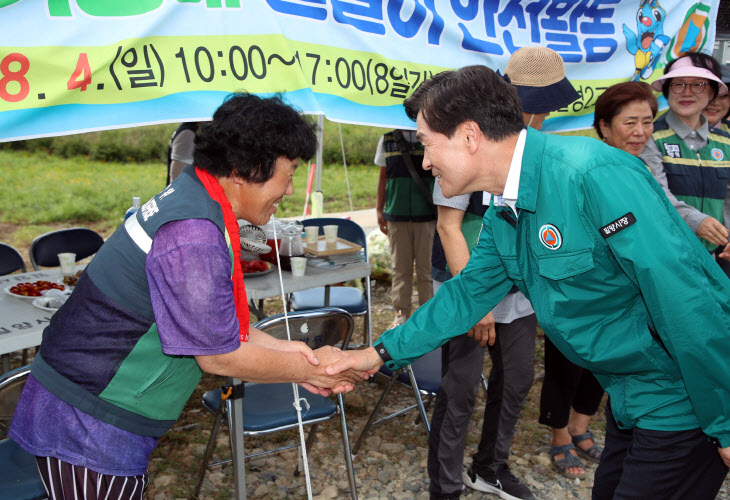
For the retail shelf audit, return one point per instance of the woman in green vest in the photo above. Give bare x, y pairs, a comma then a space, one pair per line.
718, 111
690, 160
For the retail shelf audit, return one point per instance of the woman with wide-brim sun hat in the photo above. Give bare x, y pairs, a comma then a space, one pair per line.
690, 160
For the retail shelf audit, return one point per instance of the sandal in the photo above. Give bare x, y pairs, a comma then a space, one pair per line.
569, 460
592, 454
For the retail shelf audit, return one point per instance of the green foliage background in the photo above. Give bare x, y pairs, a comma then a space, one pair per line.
89, 179
149, 144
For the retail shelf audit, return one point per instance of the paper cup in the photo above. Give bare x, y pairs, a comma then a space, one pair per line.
298, 266
67, 260
330, 234
311, 234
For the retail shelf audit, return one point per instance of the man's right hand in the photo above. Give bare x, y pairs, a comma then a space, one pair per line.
713, 231
484, 332
726, 252
342, 381
365, 361
382, 224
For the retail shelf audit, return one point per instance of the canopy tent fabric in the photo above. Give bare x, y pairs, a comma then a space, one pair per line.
69, 66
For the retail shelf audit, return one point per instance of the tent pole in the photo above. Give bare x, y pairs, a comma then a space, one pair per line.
320, 140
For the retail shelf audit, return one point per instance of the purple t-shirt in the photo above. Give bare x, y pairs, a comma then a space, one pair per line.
189, 275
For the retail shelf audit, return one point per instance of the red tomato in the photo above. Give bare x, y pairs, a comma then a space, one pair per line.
254, 266
34, 289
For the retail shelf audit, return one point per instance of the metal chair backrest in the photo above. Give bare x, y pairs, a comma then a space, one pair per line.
346, 229
317, 327
267, 408
341, 296
18, 471
10, 260
45, 248
11, 385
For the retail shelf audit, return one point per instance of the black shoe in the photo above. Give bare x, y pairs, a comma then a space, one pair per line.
440, 496
445, 496
503, 484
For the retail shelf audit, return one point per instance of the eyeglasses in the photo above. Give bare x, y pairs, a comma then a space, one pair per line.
696, 87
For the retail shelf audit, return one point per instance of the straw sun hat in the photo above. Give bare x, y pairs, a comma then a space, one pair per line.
538, 74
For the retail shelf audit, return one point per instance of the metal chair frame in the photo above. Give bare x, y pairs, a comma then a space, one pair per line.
276, 327
350, 231
21, 465
407, 376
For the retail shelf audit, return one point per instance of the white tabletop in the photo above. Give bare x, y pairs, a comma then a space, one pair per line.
267, 286
21, 323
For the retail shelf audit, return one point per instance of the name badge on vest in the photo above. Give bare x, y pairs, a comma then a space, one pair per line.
672, 150
618, 225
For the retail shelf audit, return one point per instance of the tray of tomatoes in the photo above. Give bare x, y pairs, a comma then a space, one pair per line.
32, 290
252, 268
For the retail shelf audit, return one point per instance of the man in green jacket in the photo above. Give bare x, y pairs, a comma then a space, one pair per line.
618, 282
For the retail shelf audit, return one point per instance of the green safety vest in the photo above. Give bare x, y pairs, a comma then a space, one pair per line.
404, 201
697, 177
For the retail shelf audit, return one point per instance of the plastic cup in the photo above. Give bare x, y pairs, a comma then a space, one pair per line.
311, 234
67, 260
298, 266
330, 234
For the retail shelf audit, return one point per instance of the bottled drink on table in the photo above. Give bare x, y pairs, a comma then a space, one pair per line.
272, 228
135, 206
291, 243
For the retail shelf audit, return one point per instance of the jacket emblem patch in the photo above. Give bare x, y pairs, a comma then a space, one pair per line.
717, 154
618, 225
550, 237
672, 150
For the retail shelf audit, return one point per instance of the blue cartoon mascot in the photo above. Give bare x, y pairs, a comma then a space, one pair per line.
648, 43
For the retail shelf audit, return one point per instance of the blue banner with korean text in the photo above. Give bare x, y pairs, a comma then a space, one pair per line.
69, 66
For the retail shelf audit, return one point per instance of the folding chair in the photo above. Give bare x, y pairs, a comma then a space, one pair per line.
423, 376
45, 248
352, 300
19, 475
268, 408
10, 260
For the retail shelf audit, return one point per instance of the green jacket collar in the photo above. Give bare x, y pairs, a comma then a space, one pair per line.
531, 168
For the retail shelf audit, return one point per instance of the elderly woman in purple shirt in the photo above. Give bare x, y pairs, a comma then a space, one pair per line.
162, 301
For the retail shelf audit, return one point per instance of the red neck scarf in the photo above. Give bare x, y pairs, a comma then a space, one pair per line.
239, 290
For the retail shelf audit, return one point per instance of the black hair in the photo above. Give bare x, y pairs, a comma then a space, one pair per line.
475, 93
699, 60
248, 133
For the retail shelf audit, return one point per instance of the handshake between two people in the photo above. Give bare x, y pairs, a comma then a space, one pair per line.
339, 370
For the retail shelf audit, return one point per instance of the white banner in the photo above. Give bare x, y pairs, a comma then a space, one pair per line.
69, 66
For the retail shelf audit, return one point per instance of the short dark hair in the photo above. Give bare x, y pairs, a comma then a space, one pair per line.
475, 93
699, 60
248, 133
615, 97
